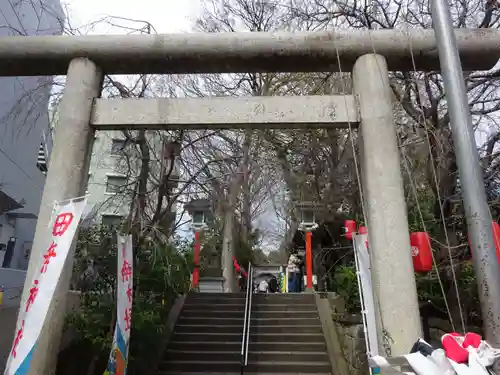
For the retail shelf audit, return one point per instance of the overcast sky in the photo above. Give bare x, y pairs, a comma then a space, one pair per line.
167, 16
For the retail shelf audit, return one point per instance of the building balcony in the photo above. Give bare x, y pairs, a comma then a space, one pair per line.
7, 203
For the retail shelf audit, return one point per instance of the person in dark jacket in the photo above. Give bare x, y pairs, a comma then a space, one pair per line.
300, 277
294, 274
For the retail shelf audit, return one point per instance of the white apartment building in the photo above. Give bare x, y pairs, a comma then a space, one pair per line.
108, 183
114, 166
114, 169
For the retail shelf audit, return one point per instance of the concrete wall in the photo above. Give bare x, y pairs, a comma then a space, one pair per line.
351, 335
12, 282
23, 117
8, 317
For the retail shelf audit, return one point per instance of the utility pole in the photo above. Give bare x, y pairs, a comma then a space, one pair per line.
479, 222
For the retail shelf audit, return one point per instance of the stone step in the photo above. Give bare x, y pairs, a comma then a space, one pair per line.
220, 313
288, 367
239, 373
208, 296
188, 313
232, 346
280, 297
193, 328
216, 298
207, 306
286, 336
253, 355
285, 306
217, 338
255, 307
217, 321
214, 301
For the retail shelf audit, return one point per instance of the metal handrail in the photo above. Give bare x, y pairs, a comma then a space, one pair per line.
246, 320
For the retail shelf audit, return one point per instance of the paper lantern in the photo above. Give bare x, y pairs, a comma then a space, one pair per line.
350, 228
201, 213
496, 238
308, 217
420, 245
421, 252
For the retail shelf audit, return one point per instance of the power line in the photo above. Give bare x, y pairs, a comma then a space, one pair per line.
18, 166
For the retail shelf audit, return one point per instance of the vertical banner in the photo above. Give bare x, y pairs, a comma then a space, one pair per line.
62, 230
363, 265
118, 358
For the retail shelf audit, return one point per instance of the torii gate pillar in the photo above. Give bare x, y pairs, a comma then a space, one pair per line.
393, 279
66, 178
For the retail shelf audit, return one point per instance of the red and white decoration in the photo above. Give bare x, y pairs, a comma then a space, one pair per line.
465, 354
66, 216
420, 246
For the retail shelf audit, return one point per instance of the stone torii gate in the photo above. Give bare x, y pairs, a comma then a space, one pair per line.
369, 55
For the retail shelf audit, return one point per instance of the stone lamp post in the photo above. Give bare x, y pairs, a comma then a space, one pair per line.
307, 215
199, 210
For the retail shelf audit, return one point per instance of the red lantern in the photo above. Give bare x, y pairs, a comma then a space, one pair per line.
362, 230
496, 238
350, 228
421, 251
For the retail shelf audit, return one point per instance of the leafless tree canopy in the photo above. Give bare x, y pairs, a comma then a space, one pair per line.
255, 177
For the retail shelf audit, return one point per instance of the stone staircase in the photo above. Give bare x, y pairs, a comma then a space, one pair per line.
286, 336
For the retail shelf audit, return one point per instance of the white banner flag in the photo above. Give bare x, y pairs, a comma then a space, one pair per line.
118, 358
66, 218
363, 265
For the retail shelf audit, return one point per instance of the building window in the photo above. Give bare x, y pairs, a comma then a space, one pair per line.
114, 184
117, 146
111, 221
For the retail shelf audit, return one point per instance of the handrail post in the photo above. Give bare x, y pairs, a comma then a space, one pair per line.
249, 316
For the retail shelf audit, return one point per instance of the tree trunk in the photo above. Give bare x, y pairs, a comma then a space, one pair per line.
227, 242
143, 178
229, 212
246, 211
446, 171
291, 185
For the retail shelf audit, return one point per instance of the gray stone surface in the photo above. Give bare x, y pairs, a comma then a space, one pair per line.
393, 279
352, 337
243, 52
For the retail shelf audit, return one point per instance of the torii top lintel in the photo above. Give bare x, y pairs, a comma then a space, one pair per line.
241, 52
